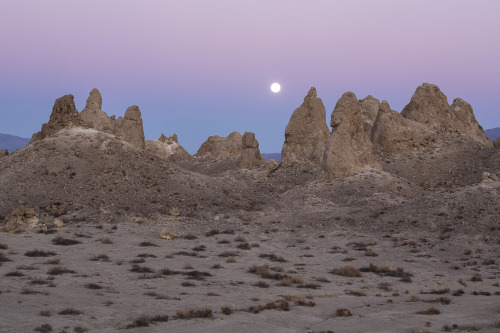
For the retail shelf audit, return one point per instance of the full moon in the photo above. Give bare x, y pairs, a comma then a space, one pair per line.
275, 87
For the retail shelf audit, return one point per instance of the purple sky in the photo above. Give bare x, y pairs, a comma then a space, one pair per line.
200, 68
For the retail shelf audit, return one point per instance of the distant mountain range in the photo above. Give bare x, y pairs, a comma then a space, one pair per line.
12, 142
493, 133
269, 156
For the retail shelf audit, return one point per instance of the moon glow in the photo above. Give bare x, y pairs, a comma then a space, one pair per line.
275, 87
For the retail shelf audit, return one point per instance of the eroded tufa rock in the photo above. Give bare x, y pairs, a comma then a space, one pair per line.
219, 147
250, 157
369, 110
306, 133
21, 219
167, 148
348, 149
467, 123
4, 152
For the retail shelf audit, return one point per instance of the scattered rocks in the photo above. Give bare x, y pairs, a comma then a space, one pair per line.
57, 223
218, 147
348, 150
250, 157
175, 212
490, 176
306, 134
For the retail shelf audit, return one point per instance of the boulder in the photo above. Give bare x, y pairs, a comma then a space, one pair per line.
219, 147
4, 152
250, 157
306, 134
369, 110
21, 219
64, 115
94, 117
393, 133
467, 123
167, 148
348, 149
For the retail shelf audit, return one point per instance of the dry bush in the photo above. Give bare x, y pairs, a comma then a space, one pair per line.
261, 284
40, 253
272, 257
312, 285
458, 292
347, 270
45, 313
226, 310
64, 241
430, 311
3, 246
93, 286
199, 248
414, 298
107, 240
228, 254
147, 243
58, 270
476, 278
15, 273
70, 311
244, 246
342, 313
303, 302
285, 282
436, 291
212, 232
141, 269
190, 237
355, 293
194, 313
231, 261
44, 328
488, 262
100, 257
144, 321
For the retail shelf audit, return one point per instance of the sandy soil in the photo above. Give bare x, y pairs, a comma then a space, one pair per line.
96, 283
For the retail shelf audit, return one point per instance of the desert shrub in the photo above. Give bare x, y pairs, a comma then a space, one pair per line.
355, 293
313, 285
212, 232
228, 254
272, 257
147, 243
100, 257
40, 253
107, 240
93, 286
70, 311
476, 278
261, 284
197, 275
228, 232
3, 246
144, 321
244, 246
436, 291
430, 311
64, 241
45, 313
303, 302
342, 313
187, 284
3, 258
347, 270
199, 248
226, 310
141, 269
15, 273
285, 282
53, 261
216, 266
190, 237
58, 270
194, 313
44, 328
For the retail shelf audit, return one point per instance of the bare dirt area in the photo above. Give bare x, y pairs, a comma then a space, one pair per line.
247, 276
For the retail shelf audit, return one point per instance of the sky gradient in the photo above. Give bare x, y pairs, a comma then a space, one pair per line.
201, 68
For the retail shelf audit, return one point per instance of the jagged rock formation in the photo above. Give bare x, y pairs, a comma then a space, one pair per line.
130, 127
348, 150
64, 115
219, 147
306, 133
429, 106
392, 132
4, 152
167, 148
467, 123
93, 116
369, 111
250, 157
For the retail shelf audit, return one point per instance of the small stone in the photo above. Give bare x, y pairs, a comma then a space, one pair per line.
175, 212
58, 223
168, 234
